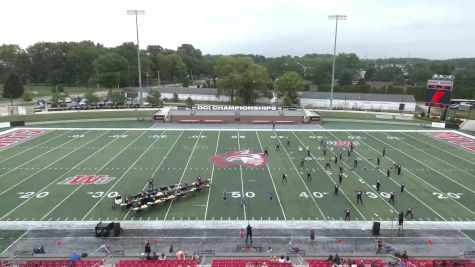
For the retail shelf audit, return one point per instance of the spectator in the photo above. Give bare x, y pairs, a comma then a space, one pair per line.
170, 250
195, 257
312, 237
287, 260
241, 233
163, 257
155, 256
337, 259
282, 259
353, 264
330, 258
361, 264
404, 255
273, 259
264, 264
248, 264
269, 250
180, 255
249, 233
147, 249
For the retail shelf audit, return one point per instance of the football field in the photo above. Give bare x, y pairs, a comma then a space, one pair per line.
66, 174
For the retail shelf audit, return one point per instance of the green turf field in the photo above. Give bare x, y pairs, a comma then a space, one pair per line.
36, 175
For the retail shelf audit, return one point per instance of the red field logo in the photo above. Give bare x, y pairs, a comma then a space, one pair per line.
240, 157
342, 143
87, 179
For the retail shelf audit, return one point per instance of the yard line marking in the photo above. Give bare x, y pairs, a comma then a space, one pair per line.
272, 180
14, 242
44, 168
346, 163
240, 172
159, 165
81, 185
38, 145
430, 154
406, 190
343, 192
24, 163
298, 173
184, 171
212, 174
126, 171
421, 178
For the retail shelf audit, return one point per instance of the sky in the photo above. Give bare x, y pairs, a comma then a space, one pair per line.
432, 29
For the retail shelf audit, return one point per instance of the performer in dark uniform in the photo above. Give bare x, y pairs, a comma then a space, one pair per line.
336, 159
277, 147
399, 169
327, 165
384, 151
392, 196
284, 177
402, 188
309, 176
359, 197
347, 214
302, 162
378, 161
340, 177
266, 151
355, 163
378, 185
388, 172
150, 184
337, 188
409, 212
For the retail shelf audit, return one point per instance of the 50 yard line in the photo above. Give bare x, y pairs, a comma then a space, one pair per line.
242, 182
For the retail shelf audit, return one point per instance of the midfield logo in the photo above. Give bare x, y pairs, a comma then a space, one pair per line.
240, 157
87, 179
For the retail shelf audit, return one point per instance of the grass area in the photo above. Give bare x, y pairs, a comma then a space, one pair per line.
357, 116
101, 124
77, 115
367, 126
7, 237
41, 177
45, 90
470, 233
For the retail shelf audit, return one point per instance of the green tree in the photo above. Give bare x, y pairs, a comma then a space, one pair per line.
240, 76
112, 70
92, 99
118, 98
27, 97
189, 101
12, 88
171, 67
192, 58
288, 85
346, 77
154, 98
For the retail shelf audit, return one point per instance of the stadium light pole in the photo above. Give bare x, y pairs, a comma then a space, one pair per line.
136, 12
336, 18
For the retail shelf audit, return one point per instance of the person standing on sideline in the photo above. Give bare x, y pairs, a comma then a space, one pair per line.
249, 233
273, 125
347, 214
312, 237
284, 177
148, 249
402, 188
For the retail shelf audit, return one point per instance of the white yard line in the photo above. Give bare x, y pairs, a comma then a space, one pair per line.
14, 242
405, 190
272, 180
35, 146
370, 187
158, 167
44, 168
39, 156
123, 175
343, 192
212, 175
451, 145
455, 155
98, 170
55, 180
298, 173
184, 171
420, 177
242, 182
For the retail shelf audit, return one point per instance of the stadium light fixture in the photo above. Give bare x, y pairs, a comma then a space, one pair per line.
336, 18
136, 13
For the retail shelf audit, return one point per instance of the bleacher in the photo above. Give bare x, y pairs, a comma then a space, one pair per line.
325, 263
156, 263
61, 263
439, 263
244, 262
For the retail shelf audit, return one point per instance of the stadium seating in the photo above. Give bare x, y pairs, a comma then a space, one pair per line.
156, 263
325, 263
242, 263
61, 263
440, 263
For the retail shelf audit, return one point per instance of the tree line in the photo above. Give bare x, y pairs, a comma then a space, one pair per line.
243, 77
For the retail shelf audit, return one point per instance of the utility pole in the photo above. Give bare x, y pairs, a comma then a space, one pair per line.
136, 12
336, 18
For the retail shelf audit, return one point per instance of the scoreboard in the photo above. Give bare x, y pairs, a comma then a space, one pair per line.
439, 93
